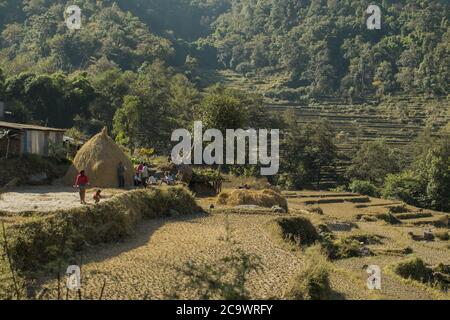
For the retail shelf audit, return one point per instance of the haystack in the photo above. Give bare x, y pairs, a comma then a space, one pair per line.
100, 157
265, 198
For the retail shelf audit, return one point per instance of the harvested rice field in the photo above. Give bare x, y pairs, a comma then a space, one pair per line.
178, 257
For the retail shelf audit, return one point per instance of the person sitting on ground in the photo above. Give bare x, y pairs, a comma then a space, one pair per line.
137, 180
81, 183
152, 181
138, 174
170, 180
98, 196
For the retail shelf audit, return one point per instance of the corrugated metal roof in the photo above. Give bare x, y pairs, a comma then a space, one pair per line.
20, 126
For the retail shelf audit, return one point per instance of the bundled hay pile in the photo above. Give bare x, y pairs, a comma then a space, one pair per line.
265, 198
100, 157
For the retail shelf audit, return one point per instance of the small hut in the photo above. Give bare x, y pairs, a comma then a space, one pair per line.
100, 158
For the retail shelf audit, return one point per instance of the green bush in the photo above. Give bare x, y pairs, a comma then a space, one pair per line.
313, 283
206, 176
347, 247
403, 186
298, 229
341, 248
38, 242
415, 269
399, 209
25, 166
365, 188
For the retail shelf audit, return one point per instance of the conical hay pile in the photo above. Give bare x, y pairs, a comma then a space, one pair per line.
100, 157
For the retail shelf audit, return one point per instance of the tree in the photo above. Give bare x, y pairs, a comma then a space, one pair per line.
305, 151
373, 162
222, 112
53, 100
433, 169
404, 186
384, 79
2, 85
126, 122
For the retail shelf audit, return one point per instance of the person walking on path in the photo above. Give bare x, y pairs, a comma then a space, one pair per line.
81, 183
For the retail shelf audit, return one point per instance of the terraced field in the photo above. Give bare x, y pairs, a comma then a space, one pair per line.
152, 264
398, 119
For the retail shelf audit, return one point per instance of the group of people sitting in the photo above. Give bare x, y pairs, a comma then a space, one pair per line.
142, 177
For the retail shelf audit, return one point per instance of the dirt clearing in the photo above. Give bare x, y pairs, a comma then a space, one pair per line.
46, 198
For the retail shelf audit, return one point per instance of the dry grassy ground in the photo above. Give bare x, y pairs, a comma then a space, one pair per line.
149, 265
152, 264
46, 198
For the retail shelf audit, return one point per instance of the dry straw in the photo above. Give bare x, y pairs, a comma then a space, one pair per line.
100, 157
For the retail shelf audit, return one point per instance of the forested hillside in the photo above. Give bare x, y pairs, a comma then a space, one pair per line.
324, 47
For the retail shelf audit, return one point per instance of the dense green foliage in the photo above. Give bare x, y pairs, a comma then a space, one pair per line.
364, 187
373, 161
324, 47
426, 182
305, 151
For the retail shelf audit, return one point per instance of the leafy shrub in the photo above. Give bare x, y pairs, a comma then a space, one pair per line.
25, 166
364, 187
287, 182
298, 229
398, 209
225, 279
347, 247
339, 189
403, 186
313, 283
206, 176
415, 269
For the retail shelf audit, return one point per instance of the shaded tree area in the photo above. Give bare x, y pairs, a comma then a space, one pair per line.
306, 150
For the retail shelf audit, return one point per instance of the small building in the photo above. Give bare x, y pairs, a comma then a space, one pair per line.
20, 139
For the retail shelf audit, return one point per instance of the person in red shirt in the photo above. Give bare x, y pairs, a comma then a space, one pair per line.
81, 183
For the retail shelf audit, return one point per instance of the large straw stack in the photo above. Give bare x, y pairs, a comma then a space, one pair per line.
100, 158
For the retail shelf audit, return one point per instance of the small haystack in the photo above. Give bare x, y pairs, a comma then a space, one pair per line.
100, 157
265, 198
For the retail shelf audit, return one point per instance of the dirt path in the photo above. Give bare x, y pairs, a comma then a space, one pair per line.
148, 266
45, 198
